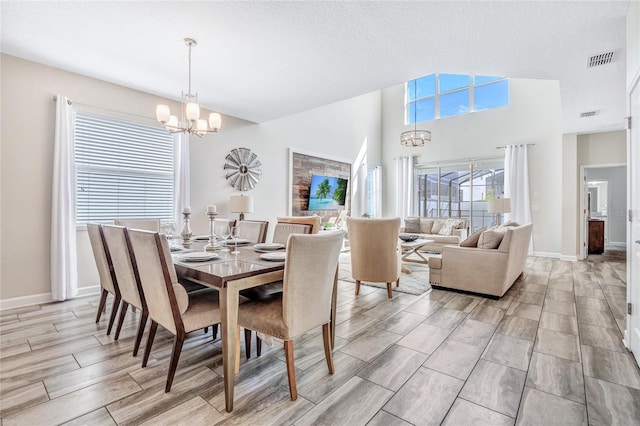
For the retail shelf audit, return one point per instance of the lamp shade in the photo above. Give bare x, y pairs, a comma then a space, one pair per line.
499, 205
241, 204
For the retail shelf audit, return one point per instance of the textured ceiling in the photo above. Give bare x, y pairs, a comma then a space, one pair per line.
264, 60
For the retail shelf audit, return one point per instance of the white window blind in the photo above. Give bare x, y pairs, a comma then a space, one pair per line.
124, 169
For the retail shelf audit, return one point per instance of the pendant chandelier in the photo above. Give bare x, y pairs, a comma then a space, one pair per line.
190, 121
415, 137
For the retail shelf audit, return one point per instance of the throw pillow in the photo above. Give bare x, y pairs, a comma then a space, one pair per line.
472, 241
511, 223
449, 226
426, 225
491, 238
437, 225
412, 225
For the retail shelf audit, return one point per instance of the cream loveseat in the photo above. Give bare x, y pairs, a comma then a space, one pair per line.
489, 271
442, 231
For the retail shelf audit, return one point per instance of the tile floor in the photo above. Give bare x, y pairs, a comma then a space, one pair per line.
547, 353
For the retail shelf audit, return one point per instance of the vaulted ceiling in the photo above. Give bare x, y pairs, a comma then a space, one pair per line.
263, 60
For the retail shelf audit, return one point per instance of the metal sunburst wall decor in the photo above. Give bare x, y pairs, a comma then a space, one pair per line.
242, 169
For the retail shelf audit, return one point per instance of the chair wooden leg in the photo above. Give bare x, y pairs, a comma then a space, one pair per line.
147, 349
357, 287
101, 305
143, 323
389, 290
258, 345
123, 313
214, 331
328, 354
206, 330
247, 343
398, 282
175, 357
114, 311
291, 369
237, 370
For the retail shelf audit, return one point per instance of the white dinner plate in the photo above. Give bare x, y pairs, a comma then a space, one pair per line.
198, 256
268, 246
239, 241
176, 248
201, 238
274, 257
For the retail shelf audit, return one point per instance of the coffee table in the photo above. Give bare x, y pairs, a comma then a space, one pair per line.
412, 248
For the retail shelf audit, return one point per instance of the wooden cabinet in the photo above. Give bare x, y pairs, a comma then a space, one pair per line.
596, 236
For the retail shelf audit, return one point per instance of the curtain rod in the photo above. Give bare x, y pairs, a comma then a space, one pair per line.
522, 144
55, 99
460, 161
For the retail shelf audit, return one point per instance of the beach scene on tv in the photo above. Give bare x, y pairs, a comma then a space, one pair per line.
327, 193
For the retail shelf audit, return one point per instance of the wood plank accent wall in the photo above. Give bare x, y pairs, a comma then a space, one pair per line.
305, 166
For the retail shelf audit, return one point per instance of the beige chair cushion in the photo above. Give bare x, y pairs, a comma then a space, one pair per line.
122, 265
181, 297
314, 221
472, 241
145, 224
100, 256
283, 230
437, 225
375, 256
253, 230
491, 238
412, 225
203, 310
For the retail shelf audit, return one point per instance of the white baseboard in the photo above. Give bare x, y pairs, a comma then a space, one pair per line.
546, 254
616, 245
18, 302
569, 258
88, 291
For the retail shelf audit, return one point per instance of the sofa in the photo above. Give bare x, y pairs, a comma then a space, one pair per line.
442, 231
488, 271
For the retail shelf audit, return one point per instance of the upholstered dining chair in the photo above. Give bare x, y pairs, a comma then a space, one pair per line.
108, 281
168, 302
283, 230
253, 230
375, 255
314, 221
146, 224
305, 302
126, 270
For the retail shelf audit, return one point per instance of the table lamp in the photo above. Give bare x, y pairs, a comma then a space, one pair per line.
499, 206
241, 204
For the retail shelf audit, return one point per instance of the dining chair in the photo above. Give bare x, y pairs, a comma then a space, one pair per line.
375, 255
108, 281
314, 221
282, 231
146, 224
168, 302
253, 230
126, 270
310, 271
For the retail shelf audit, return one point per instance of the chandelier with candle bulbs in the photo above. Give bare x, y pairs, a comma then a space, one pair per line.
190, 121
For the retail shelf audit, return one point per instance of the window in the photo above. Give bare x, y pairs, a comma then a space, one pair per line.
445, 95
124, 169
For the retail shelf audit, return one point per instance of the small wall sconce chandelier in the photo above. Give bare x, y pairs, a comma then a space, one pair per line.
193, 124
415, 137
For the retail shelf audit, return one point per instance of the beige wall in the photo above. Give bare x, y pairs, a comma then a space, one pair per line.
602, 148
570, 197
533, 116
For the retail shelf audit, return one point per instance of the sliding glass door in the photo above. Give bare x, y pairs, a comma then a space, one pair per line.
459, 190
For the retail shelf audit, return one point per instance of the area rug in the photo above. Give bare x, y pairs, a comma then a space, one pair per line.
414, 282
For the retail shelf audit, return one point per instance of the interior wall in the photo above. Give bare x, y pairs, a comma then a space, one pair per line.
533, 116
349, 129
570, 198
616, 201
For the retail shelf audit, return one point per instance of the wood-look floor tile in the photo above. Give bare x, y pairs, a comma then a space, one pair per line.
473, 332
392, 369
614, 367
66, 348
467, 413
425, 306
454, 358
424, 338
315, 383
194, 412
462, 303
525, 310
495, 386
401, 323
601, 337
99, 417
611, 404
31, 373
599, 318
556, 376
487, 314
10, 350
445, 318
21, 335
558, 344
522, 328
442, 296
509, 351
370, 300
35, 322
75, 404
354, 403
558, 322
592, 303
355, 326
371, 344
594, 293
18, 399
535, 288
540, 408
563, 285
426, 398
22, 309
556, 307
307, 352
384, 310
503, 303
60, 337
612, 289
528, 297
560, 296
385, 419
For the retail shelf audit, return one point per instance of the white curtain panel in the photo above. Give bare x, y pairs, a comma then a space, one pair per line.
64, 270
516, 183
377, 191
404, 194
182, 183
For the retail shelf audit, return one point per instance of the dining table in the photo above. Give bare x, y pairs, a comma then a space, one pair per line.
229, 274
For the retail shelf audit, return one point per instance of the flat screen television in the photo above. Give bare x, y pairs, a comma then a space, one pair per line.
327, 193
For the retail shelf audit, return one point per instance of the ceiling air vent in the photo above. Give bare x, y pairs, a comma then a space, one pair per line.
588, 114
600, 59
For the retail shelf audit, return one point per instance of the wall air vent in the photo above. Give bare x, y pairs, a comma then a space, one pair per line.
600, 59
588, 114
